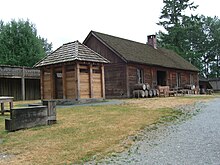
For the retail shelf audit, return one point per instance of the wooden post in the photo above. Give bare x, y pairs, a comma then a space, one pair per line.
42, 83
64, 81
52, 82
90, 81
2, 108
77, 82
103, 81
23, 84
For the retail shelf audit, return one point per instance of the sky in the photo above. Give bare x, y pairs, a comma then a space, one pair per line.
63, 21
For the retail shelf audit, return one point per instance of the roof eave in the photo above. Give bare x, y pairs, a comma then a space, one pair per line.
142, 63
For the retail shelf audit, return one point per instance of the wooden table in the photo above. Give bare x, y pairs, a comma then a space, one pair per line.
4, 100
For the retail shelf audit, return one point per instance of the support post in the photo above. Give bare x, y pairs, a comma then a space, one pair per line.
42, 83
103, 81
90, 81
127, 81
64, 81
23, 84
77, 81
2, 108
52, 82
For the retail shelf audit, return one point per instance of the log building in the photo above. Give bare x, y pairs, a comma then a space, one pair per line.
133, 62
71, 73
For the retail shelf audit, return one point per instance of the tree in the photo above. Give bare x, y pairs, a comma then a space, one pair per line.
195, 38
172, 12
20, 45
172, 19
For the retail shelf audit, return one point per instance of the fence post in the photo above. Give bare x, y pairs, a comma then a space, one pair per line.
51, 111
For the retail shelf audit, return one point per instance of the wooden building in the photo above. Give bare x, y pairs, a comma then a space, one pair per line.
133, 62
215, 83
71, 73
22, 83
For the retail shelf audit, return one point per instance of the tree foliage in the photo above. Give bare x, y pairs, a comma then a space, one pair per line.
194, 37
20, 45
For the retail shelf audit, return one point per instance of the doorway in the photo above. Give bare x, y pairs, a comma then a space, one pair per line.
161, 78
58, 85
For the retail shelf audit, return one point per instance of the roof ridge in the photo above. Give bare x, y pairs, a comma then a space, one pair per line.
119, 37
71, 51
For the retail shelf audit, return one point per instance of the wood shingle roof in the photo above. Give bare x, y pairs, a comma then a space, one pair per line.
132, 51
73, 51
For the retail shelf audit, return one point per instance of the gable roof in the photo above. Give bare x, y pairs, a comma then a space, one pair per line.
131, 51
71, 52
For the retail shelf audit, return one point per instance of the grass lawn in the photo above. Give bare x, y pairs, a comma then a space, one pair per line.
84, 131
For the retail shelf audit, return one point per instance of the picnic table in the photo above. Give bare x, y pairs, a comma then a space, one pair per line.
3, 100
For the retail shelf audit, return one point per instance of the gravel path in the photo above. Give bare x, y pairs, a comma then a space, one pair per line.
194, 141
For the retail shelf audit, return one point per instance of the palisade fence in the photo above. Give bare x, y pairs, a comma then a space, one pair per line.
22, 83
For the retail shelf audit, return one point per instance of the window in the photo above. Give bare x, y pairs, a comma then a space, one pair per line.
140, 76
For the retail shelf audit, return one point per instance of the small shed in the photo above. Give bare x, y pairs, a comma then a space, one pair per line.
71, 73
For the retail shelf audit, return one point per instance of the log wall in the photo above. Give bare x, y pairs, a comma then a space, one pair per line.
115, 81
150, 76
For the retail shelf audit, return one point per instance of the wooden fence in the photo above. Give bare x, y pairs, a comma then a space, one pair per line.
22, 83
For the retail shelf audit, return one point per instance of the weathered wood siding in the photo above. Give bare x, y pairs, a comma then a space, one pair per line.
70, 82
84, 83
115, 73
150, 76
120, 76
12, 87
97, 82
32, 89
102, 49
115, 81
47, 86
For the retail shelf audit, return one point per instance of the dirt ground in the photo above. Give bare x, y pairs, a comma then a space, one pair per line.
166, 102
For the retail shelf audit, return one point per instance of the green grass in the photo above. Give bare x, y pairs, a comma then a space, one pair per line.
80, 133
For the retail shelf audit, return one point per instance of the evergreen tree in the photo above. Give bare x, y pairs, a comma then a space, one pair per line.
20, 45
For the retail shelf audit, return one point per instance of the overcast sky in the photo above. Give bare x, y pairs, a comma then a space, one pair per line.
62, 21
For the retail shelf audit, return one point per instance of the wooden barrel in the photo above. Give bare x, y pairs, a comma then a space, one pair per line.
154, 92
140, 86
150, 93
157, 91
147, 86
146, 93
139, 93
